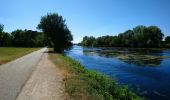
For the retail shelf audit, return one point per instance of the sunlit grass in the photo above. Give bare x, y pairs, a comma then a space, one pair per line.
82, 84
10, 53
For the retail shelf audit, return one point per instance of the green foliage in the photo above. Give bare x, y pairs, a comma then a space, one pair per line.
56, 35
167, 41
1, 28
140, 36
90, 85
89, 41
155, 35
22, 38
7, 39
54, 27
27, 38
1, 33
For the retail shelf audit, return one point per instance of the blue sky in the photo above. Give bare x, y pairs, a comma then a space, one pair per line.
87, 17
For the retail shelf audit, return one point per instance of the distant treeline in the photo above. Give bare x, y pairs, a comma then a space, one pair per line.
22, 38
140, 36
54, 33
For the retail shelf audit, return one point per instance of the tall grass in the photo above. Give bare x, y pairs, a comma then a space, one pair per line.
82, 84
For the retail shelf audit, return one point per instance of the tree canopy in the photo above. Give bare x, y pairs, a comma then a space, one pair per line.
167, 41
27, 38
1, 33
56, 34
22, 38
1, 28
55, 28
140, 36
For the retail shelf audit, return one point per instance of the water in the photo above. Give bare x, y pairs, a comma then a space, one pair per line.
145, 71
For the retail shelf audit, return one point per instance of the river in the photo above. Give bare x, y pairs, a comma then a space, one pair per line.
145, 71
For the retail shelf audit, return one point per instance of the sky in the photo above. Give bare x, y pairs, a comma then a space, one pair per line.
87, 17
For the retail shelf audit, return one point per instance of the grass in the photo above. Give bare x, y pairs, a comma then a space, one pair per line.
82, 84
10, 53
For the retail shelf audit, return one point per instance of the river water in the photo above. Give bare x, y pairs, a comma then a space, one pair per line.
145, 71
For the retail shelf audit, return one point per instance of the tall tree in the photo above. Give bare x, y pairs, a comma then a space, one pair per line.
54, 27
127, 38
1, 34
1, 28
167, 41
155, 36
7, 39
139, 35
18, 38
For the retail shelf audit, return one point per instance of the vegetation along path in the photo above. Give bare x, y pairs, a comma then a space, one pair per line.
14, 75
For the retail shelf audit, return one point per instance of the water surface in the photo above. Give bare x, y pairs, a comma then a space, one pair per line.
146, 71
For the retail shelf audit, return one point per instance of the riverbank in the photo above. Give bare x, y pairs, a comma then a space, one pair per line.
81, 83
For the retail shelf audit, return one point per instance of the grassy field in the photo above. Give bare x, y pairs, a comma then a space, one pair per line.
82, 84
9, 53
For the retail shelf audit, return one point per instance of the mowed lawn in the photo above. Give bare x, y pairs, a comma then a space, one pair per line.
10, 53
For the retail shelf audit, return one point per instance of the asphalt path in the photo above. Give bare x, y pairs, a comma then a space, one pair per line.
14, 75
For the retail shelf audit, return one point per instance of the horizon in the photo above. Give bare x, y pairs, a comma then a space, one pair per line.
88, 18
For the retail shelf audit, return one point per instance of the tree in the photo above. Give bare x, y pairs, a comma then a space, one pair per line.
127, 38
22, 38
1, 33
89, 41
140, 36
7, 39
54, 27
39, 39
27, 38
18, 38
155, 35
1, 28
167, 41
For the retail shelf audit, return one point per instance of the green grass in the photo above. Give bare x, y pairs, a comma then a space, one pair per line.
82, 84
10, 53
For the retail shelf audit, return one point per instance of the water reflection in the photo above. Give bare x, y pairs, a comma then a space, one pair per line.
139, 57
147, 71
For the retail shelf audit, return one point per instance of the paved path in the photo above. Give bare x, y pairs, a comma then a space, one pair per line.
15, 74
45, 83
